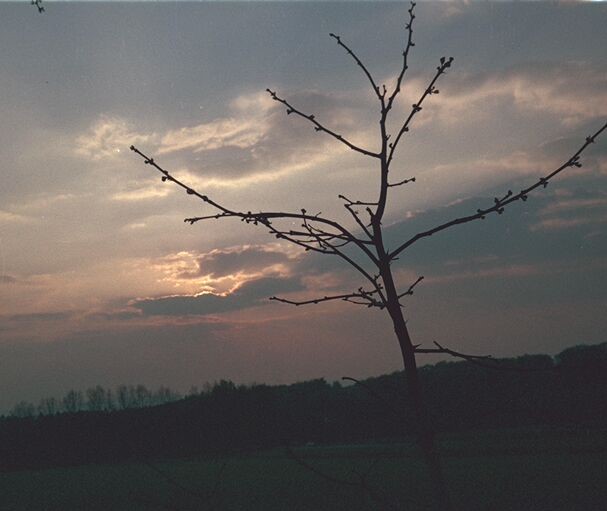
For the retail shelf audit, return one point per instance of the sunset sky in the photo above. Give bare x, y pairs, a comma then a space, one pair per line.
101, 281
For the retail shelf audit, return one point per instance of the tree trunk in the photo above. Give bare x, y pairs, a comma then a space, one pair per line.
424, 430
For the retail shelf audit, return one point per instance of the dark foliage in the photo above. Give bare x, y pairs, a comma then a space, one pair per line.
526, 391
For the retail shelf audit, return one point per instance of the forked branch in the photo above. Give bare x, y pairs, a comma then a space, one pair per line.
263, 217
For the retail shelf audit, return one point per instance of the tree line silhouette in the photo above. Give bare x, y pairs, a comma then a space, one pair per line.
532, 390
97, 399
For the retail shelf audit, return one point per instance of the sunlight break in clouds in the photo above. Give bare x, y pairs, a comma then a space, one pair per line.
223, 271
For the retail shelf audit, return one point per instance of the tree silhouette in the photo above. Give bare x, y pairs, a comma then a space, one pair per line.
324, 235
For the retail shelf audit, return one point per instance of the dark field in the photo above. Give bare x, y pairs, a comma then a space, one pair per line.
493, 470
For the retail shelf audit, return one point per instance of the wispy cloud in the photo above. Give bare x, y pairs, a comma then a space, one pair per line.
150, 192
7, 217
108, 137
568, 210
246, 127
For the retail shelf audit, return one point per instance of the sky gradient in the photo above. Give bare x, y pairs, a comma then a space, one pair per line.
101, 282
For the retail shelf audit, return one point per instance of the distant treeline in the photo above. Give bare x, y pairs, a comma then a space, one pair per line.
97, 399
567, 390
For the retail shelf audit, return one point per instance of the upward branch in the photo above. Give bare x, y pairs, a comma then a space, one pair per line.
441, 69
500, 203
408, 46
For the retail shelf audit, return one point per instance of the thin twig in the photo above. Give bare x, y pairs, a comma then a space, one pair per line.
360, 64
408, 46
445, 63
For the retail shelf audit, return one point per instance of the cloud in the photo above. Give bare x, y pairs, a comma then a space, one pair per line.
246, 128
7, 279
221, 271
254, 141
249, 294
7, 217
108, 137
513, 236
145, 193
572, 210
244, 259
571, 92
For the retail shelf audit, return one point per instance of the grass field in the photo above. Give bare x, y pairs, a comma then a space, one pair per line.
495, 470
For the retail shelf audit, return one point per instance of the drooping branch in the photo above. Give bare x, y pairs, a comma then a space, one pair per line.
442, 350
319, 127
486, 361
408, 46
445, 63
500, 203
378, 93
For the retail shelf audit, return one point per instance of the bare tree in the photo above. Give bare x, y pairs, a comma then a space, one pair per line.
318, 233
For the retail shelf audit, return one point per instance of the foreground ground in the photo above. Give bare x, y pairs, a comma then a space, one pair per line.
495, 470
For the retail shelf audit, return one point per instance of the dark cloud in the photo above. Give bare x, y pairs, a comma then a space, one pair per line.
248, 295
517, 235
245, 259
7, 279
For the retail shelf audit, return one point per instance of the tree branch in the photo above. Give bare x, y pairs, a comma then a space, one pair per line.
263, 217
508, 198
411, 287
486, 361
416, 107
361, 65
403, 182
319, 127
347, 297
409, 45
